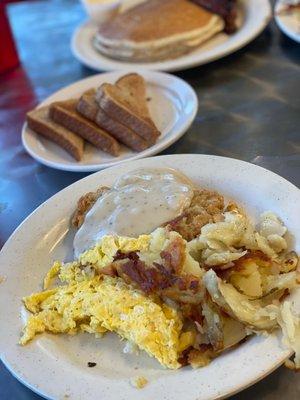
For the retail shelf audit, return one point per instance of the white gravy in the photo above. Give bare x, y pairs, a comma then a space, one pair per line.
138, 203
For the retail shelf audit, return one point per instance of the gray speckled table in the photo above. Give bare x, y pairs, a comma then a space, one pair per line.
249, 108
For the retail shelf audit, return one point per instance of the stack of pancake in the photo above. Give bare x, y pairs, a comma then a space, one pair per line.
155, 30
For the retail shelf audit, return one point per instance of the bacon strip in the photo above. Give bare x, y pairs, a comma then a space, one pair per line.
149, 279
165, 278
174, 256
132, 255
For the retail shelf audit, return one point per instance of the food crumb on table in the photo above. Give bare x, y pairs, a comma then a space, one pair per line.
139, 382
91, 364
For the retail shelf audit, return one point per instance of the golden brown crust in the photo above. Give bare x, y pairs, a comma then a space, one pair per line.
89, 108
39, 121
227, 9
121, 132
200, 358
87, 105
156, 19
135, 86
121, 107
65, 113
206, 206
84, 204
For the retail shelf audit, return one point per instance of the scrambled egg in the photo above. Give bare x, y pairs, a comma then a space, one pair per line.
102, 255
104, 304
95, 304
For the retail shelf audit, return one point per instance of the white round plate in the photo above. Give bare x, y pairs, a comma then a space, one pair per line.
56, 365
287, 23
173, 105
252, 24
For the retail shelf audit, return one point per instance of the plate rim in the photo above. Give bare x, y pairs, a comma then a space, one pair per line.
91, 177
156, 148
283, 27
173, 65
239, 389
181, 155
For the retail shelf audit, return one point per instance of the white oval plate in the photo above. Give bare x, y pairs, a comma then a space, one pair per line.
56, 365
219, 46
288, 23
173, 106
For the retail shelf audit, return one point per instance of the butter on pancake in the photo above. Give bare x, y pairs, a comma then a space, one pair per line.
155, 30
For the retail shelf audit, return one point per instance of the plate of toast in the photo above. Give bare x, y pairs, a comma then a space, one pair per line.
109, 118
167, 35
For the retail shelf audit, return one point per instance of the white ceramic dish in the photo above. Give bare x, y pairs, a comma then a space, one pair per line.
254, 22
44, 237
173, 106
287, 23
100, 11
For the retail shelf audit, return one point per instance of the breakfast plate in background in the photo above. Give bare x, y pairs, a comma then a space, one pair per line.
25, 259
251, 23
288, 19
172, 104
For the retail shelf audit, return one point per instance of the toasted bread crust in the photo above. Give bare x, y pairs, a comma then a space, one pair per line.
131, 80
38, 120
65, 114
121, 132
136, 86
87, 105
108, 101
123, 118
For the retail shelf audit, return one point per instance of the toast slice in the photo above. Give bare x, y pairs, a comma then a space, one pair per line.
64, 113
87, 105
39, 121
121, 132
135, 86
89, 108
124, 107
